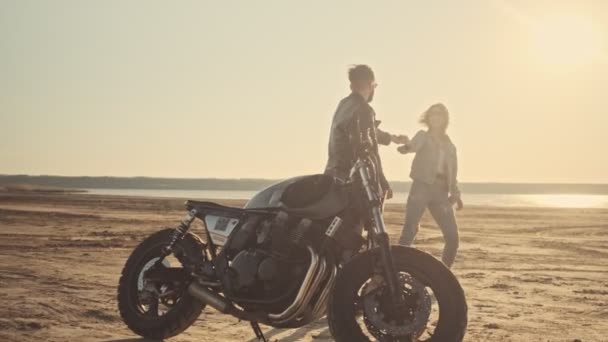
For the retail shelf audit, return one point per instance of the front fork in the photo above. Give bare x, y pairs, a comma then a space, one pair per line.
381, 237
386, 257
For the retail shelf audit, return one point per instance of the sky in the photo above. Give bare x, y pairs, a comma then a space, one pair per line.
247, 89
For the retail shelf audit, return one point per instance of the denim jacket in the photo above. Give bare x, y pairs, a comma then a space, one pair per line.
425, 166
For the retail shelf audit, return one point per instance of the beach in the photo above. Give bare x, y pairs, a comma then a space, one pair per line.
529, 274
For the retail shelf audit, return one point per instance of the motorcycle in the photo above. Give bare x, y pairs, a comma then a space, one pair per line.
300, 249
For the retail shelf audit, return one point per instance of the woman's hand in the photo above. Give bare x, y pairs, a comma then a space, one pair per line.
456, 200
403, 149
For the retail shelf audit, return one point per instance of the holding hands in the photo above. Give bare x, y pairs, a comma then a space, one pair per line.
403, 140
400, 139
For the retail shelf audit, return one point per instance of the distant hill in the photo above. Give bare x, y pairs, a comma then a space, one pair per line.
257, 184
16, 187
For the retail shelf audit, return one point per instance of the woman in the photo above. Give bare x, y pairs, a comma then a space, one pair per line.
434, 175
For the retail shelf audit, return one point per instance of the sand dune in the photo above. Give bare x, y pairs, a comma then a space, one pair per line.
529, 274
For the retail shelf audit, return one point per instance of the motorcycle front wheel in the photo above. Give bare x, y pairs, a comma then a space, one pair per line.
361, 308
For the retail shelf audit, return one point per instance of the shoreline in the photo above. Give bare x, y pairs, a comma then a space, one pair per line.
241, 201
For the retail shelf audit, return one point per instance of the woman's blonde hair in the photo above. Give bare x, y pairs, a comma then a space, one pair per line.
436, 109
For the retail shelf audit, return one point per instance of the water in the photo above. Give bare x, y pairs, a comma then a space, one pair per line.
498, 200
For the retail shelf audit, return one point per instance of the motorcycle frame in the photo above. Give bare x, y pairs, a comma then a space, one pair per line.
365, 171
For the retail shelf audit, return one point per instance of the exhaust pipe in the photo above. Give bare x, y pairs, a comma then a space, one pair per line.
298, 302
207, 296
321, 306
223, 305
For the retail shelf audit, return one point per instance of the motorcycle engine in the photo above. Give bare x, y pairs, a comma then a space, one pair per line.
252, 266
263, 253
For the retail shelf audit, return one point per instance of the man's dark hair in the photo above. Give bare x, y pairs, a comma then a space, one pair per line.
360, 72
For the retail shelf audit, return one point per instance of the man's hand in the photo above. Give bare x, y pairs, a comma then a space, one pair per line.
388, 193
456, 200
400, 139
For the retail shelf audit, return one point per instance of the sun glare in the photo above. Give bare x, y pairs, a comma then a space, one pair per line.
566, 41
570, 200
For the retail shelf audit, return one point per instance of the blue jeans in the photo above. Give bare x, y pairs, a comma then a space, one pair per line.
435, 197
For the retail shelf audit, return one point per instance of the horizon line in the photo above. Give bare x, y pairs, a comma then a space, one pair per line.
278, 179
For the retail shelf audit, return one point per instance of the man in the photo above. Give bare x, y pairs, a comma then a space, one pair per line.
354, 124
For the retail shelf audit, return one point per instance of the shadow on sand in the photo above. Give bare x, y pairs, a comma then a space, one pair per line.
139, 339
296, 334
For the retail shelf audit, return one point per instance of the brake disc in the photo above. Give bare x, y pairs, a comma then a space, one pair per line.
381, 324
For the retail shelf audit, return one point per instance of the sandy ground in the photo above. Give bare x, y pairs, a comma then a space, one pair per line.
529, 274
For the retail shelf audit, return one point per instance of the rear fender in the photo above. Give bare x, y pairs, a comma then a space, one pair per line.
191, 251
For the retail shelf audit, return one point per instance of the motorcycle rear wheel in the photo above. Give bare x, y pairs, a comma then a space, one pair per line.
145, 319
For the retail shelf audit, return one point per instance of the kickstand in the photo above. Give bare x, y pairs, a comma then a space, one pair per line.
258, 332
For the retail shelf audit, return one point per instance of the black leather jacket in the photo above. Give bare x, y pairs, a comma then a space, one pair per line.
354, 127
